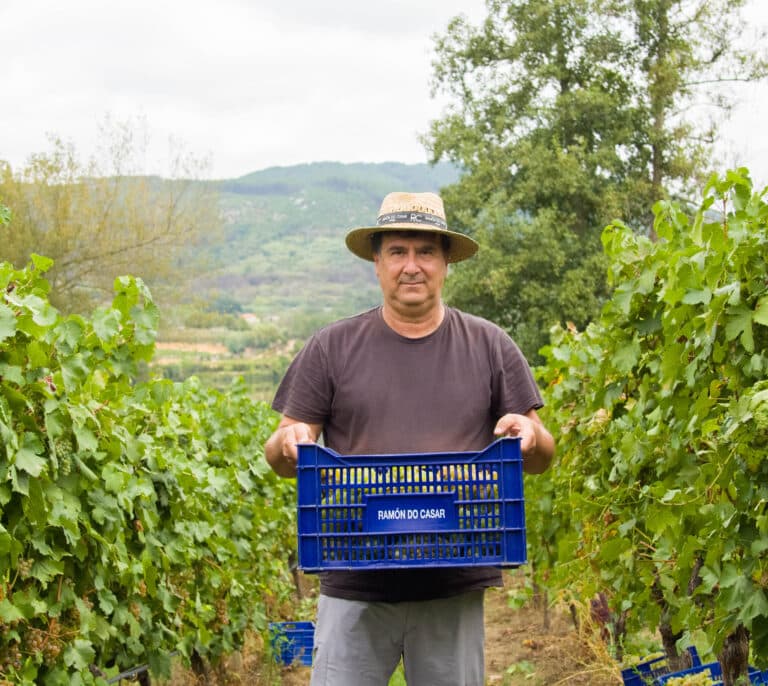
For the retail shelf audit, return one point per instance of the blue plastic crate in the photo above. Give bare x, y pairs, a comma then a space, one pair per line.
292, 642
455, 509
715, 672
645, 672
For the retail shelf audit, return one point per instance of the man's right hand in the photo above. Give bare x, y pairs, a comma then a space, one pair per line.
280, 449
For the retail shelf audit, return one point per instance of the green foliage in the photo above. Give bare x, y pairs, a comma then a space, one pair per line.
660, 491
215, 319
135, 518
226, 304
566, 115
528, 276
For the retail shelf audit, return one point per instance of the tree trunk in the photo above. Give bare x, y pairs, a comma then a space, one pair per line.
734, 657
574, 616
200, 668
613, 626
541, 602
294, 567
660, 97
669, 639
620, 633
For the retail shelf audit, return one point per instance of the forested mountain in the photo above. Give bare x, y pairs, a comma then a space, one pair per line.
283, 255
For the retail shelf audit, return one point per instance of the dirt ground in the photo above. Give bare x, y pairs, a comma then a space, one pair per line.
519, 652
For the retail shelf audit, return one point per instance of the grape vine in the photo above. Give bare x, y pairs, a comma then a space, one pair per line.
660, 497
137, 517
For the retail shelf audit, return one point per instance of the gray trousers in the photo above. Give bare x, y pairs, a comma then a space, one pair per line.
359, 643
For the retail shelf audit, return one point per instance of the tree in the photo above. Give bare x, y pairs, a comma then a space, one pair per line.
686, 52
102, 219
564, 117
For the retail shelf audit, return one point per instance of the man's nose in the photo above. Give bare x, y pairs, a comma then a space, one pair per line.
411, 265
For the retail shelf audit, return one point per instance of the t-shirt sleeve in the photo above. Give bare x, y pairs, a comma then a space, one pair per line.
306, 391
517, 391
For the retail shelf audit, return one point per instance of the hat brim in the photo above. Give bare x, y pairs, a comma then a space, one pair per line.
359, 240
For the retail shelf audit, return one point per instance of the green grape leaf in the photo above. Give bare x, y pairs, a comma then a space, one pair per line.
106, 323
7, 322
9, 612
28, 457
761, 311
79, 654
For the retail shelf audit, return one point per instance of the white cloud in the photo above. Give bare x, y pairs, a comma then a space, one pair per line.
252, 84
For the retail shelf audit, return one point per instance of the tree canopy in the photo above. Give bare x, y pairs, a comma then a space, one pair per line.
565, 115
101, 219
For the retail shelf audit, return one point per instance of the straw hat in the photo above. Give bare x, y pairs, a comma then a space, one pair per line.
411, 212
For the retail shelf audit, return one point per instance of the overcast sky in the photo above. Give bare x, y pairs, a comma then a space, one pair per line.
252, 83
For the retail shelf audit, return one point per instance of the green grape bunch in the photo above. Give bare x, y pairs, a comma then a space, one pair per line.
64, 450
699, 679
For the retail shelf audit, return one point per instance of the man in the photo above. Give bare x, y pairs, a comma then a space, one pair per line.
410, 376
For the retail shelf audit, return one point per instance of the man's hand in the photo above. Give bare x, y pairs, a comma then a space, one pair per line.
281, 451
536, 443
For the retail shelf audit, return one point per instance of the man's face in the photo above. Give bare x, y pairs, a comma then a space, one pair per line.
411, 270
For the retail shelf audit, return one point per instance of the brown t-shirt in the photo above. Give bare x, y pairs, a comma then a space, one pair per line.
376, 392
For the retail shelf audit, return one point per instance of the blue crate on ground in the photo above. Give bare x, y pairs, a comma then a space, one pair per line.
292, 642
645, 672
455, 509
715, 672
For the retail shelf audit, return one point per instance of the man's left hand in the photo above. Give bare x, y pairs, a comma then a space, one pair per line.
536, 443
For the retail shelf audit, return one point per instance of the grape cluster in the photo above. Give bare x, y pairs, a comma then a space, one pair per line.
10, 657
135, 610
71, 617
35, 640
51, 652
64, 452
222, 613
65, 466
183, 595
24, 567
46, 643
699, 679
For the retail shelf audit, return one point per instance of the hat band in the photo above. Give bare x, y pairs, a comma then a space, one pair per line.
411, 218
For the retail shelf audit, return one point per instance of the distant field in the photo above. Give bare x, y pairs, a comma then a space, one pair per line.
217, 366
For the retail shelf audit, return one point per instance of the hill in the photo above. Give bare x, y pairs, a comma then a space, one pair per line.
284, 257
282, 269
